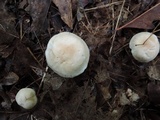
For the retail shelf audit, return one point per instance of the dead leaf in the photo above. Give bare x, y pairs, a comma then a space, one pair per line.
103, 82
65, 9
105, 92
74, 102
7, 25
154, 72
83, 3
6, 100
10, 79
37, 70
38, 11
144, 21
52, 81
6, 51
56, 20
124, 100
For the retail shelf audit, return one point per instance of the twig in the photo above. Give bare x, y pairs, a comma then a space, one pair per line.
113, 16
124, 26
21, 30
34, 57
39, 42
110, 51
120, 49
154, 31
103, 6
7, 32
44, 75
150, 35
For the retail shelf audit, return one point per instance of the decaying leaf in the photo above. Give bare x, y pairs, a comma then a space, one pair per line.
128, 98
6, 100
65, 9
38, 11
154, 72
7, 22
105, 92
144, 21
10, 79
56, 20
52, 81
124, 100
83, 3
6, 51
37, 70
115, 114
103, 82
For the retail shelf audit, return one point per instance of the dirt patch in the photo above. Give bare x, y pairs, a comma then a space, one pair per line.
113, 87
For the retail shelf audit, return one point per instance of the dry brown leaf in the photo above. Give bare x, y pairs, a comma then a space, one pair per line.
65, 9
144, 21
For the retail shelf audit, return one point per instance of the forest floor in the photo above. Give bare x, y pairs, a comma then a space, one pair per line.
113, 87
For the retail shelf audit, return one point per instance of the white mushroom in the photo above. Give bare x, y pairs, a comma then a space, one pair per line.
144, 46
67, 54
26, 98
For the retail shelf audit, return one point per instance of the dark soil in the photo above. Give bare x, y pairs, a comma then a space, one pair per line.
104, 90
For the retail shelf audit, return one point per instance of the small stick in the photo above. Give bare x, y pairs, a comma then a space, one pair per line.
102, 6
44, 75
34, 57
110, 51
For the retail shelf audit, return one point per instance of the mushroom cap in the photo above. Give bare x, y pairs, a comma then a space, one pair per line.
144, 46
26, 98
67, 54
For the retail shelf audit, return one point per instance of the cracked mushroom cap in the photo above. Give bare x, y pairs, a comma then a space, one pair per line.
67, 54
26, 98
144, 46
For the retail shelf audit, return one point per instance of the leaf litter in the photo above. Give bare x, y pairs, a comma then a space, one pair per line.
109, 80
145, 20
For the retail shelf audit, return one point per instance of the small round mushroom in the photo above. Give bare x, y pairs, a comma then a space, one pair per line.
144, 46
26, 98
67, 54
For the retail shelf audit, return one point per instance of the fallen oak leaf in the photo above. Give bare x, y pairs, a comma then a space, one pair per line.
65, 9
144, 21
